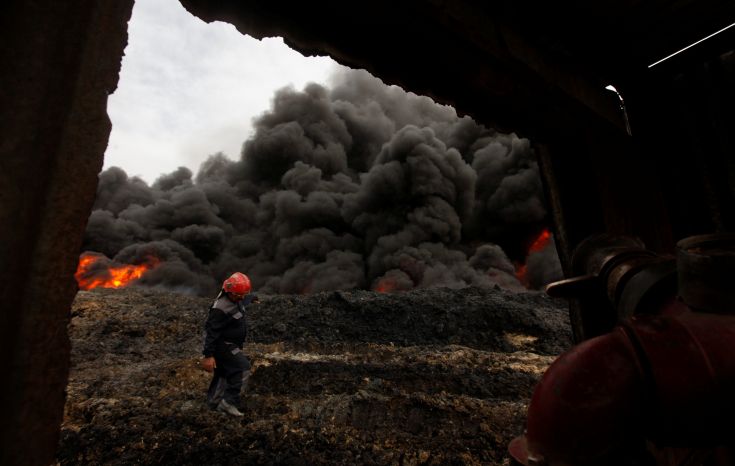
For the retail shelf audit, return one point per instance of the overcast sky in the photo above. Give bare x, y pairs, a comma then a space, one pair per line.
189, 89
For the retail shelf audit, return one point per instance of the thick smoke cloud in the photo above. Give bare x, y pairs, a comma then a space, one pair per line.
357, 186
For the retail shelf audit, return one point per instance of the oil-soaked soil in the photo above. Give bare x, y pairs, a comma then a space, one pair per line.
435, 377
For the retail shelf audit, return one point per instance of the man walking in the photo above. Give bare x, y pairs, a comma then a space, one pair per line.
224, 334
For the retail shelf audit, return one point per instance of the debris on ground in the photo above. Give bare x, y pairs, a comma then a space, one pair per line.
425, 377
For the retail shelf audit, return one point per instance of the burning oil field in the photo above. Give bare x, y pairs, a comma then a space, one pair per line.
432, 377
393, 245
361, 186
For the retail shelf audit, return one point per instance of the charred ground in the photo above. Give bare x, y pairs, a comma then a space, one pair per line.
424, 377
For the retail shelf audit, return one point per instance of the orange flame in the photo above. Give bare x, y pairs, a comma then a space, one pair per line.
385, 285
541, 241
111, 277
521, 272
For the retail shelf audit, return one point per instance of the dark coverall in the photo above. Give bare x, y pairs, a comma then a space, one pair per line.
224, 335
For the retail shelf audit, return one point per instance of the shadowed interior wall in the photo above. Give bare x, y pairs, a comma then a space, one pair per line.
60, 61
685, 115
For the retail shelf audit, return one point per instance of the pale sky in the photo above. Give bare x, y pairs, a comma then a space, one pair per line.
189, 89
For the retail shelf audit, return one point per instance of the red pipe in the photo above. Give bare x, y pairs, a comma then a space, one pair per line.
669, 379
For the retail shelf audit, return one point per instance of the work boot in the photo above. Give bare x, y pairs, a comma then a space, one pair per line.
227, 408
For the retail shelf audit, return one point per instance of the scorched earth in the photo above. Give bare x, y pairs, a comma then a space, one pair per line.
435, 377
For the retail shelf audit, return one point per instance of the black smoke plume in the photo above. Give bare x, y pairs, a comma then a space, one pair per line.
358, 186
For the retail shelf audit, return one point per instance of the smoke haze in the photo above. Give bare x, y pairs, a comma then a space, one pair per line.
358, 186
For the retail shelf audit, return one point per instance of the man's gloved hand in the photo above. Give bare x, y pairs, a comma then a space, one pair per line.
208, 364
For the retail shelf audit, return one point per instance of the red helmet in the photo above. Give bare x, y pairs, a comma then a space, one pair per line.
237, 284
